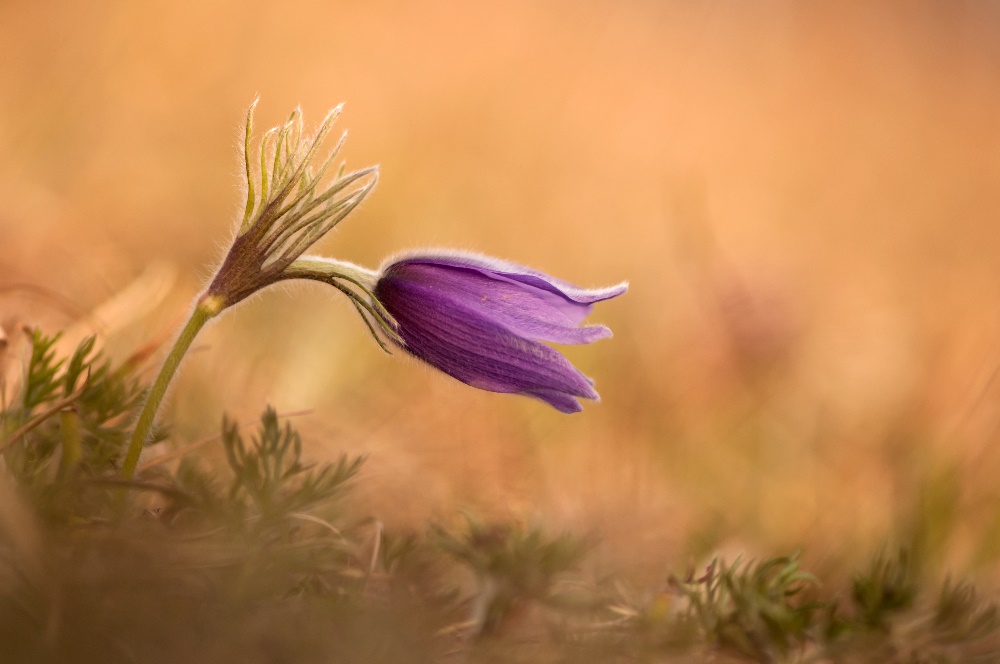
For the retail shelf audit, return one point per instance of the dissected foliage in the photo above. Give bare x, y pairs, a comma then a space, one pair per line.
261, 560
514, 566
269, 473
68, 426
761, 610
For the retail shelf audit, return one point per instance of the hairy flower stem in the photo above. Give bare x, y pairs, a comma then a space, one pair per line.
207, 308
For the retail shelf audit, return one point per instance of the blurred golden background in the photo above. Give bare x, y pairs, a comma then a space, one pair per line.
802, 195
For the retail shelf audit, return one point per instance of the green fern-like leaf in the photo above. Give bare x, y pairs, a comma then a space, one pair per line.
269, 471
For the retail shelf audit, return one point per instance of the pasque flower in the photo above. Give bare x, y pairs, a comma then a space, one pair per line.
478, 319
481, 320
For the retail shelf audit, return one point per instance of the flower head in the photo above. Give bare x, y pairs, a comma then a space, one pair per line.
290, 205
481, 320
478, 319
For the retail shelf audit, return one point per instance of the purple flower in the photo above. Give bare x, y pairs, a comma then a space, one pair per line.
480, 320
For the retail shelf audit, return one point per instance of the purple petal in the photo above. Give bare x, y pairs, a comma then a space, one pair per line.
448, 335
480, 320
523, 310
561, 402
573, 301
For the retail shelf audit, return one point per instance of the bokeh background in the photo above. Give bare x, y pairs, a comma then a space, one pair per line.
802, 195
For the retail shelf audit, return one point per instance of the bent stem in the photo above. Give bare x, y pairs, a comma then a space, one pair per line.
207, 308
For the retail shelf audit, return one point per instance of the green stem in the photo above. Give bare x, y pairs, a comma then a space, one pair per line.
72, 446
207, 308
